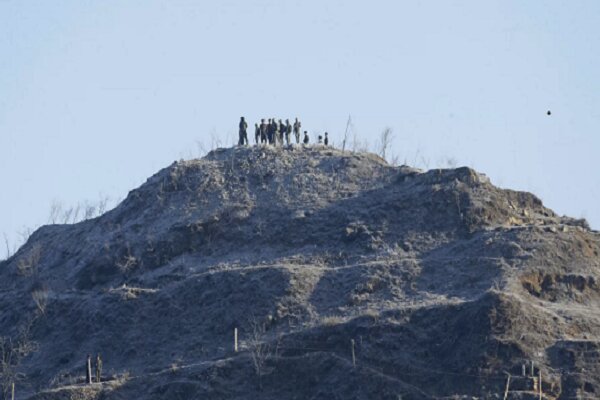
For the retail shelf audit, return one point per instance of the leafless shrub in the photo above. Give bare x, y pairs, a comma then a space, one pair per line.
260, 349
89, 211
358, 145
8, 250
102, 204
215, 142
28, 263
348, 124
76, 213
127, 262
12, 352
39, 296
25, 233
67, 215
385, 141
55, 211
201, 149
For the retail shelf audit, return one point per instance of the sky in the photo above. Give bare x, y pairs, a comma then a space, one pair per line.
96, 96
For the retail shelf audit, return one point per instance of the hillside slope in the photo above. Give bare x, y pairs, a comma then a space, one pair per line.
441, 283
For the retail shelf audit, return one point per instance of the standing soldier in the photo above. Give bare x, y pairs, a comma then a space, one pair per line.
306, 139
297, 126
288, 131
98, 368
274, 132
326, 141
270, 131
243, 132
256, 133
282, 130
263, 131
88, 370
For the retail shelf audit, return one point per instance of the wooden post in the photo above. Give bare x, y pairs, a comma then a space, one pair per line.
353, 354
235, 340
507, 386
532, 368
540, 385
524, 370
13, 391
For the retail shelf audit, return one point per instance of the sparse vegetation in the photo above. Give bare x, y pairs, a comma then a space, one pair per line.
39, 295
12, 353
27, 264
261, 351
385, 141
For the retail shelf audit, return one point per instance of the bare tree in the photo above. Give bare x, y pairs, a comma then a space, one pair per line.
12, 352
215, 142
89, 211
201, 149
75, 216
8, 250
346, 133
55, 211
261, 350
103, 204
67, 215
385, 141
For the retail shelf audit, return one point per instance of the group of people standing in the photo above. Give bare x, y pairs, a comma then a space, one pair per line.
88, 369
275, 132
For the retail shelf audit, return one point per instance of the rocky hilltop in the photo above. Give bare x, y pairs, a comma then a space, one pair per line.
345, 277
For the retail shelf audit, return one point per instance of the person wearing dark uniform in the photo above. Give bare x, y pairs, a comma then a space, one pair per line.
243, 132
263, 131
326, 140
297, 126
281, 132
288, 131
274, 132
270, 131
256, 133
306, 139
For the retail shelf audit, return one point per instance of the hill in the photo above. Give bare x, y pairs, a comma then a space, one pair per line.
345, 277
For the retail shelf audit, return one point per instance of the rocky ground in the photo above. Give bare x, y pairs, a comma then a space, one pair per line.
346, 278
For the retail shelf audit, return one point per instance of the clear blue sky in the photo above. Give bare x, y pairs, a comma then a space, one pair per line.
95, 96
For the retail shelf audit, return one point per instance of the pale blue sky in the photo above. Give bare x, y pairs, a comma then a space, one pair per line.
95, 96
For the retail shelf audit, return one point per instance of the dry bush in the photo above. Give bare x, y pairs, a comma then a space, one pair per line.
260, 349
28, 263
332, 320
127, 262
40, 298
385, 141
12, 352
8, 250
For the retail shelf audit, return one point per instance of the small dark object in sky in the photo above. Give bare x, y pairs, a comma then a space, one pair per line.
549, 113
